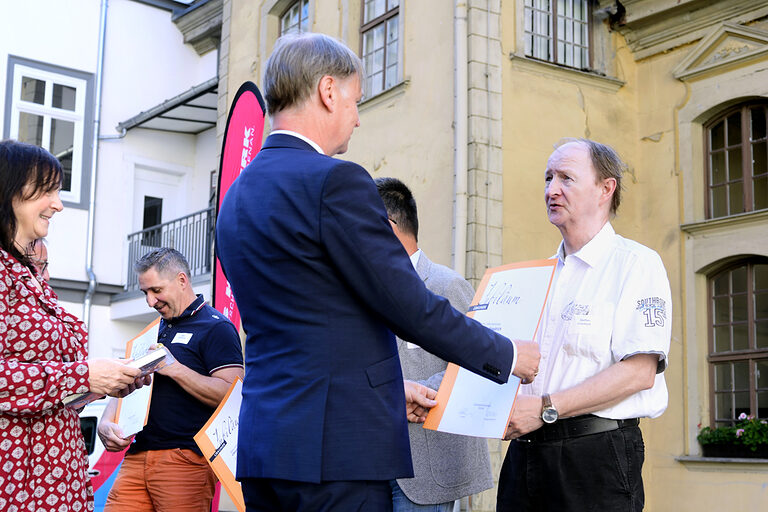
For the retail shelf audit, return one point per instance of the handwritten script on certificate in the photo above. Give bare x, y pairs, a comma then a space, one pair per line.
218, 442
510, 300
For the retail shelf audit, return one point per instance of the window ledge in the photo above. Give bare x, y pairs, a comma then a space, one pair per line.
393, 92
556, 71
720, 464
740, 219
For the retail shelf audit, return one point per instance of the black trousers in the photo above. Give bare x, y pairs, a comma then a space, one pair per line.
274, 495
599, 472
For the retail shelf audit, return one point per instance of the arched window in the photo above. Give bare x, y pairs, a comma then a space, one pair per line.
737, 161
738, 354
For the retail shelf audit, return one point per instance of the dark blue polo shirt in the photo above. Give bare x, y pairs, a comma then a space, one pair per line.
204, 340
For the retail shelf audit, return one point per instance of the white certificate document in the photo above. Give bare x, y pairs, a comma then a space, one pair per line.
132, 410
510, 300
218, 442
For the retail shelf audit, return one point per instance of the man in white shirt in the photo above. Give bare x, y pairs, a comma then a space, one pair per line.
604, 340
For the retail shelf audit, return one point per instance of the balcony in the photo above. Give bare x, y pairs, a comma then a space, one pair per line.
191, 235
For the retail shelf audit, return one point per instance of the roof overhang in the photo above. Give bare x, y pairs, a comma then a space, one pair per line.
192, 112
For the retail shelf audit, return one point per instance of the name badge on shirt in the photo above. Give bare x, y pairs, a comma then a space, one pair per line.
182, 337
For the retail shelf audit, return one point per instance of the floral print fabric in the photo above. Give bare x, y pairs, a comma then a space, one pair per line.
43, 462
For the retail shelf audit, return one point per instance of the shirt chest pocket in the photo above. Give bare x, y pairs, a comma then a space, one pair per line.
589, 332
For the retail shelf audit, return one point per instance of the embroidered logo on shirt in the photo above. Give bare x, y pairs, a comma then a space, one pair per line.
573, 309
182, 337
654, 309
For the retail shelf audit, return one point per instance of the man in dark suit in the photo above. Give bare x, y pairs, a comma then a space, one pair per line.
322, 282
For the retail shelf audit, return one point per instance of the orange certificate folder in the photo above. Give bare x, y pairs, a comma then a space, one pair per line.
218, 442
510, 300
133, 410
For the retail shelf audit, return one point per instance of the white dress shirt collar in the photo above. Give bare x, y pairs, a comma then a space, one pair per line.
415, 258
594, 250
299, 136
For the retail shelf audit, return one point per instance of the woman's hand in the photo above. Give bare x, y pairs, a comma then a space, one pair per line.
111, 376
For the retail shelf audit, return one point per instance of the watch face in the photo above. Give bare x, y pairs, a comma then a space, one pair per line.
549, 415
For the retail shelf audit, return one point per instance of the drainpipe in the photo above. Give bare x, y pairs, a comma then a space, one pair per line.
94, 165
460, 136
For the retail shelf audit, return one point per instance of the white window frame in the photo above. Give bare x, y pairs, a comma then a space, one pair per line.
369, 26
48, 112
299, 29
552, 35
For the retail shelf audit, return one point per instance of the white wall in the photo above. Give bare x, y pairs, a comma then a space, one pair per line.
146, 62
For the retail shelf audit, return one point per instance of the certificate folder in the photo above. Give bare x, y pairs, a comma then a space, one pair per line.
510, 300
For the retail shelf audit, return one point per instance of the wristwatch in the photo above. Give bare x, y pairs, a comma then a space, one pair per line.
548, 411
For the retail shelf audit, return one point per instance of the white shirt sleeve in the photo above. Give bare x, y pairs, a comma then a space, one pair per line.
643, 315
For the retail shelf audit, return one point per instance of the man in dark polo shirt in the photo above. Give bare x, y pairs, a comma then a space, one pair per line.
163, 469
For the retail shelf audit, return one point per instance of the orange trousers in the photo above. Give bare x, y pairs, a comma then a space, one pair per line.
176, 480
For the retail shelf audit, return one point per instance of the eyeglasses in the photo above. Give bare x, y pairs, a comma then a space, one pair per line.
40, 264
393, 221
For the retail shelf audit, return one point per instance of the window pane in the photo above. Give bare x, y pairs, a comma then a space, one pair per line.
722, 284
722, 311
722, 339
741, 377
760, 274
719, 201
717, 136
740, 336
734, 164
30, 128
740, 308
742, 403
723, 377
761, 375
717, 164
32, 90
762, 404
761, 334
759, 158
736, 197
761, 306
739, 280
64, 97
734, 129
373, 9
758, 123
760, 193
62, 145
723, 406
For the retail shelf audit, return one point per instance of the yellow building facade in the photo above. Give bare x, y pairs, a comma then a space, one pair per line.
464, 103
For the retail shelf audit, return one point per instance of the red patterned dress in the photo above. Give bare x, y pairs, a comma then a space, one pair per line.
43, 463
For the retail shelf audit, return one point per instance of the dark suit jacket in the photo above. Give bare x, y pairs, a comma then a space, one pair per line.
321, 282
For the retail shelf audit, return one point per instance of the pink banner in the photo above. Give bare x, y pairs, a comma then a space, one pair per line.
242, 140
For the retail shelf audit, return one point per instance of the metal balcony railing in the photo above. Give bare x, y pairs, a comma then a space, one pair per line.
191, 235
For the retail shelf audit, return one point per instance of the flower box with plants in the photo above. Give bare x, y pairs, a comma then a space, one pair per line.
748, 438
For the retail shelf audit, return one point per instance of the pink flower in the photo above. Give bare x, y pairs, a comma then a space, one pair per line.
743, 416
739, 431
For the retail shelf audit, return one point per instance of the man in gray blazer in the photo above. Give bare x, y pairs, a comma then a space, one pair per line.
447, 467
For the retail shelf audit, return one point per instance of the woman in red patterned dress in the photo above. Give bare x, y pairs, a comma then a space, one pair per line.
43, 463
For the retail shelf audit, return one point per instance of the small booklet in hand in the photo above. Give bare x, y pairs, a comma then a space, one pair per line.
148, 363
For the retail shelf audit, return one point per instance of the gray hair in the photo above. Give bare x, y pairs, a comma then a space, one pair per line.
298, 62
166, 262
607, 164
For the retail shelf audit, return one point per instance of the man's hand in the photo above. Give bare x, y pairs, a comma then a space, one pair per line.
418, 401
528, 357
140, 382
112, 436
526, 416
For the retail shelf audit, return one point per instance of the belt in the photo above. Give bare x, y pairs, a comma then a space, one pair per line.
576, 427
